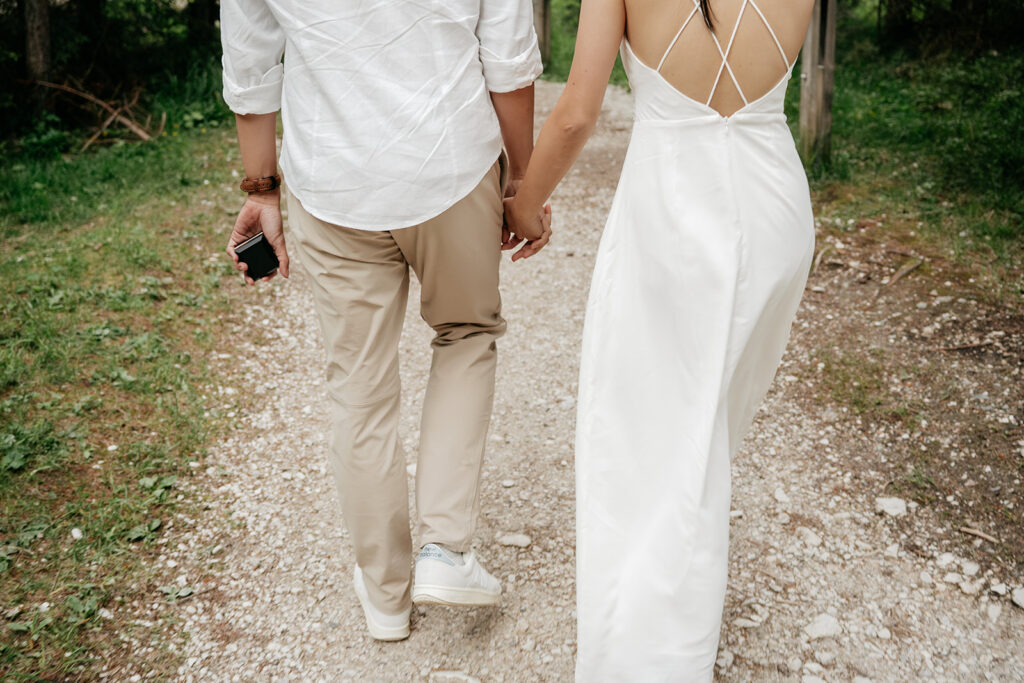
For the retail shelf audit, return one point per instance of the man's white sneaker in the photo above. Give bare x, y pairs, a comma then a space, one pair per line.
444, 577
381, 626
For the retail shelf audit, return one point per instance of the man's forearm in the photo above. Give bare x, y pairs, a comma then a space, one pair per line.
515, 116
257, 140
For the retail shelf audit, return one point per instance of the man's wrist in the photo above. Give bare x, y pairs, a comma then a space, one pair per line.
270, 198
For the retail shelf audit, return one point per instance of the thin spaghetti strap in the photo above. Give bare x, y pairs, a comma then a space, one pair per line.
768, 26
725, 59
678, 34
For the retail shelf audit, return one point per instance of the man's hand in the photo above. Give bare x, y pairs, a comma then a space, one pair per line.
508, 240
535, 228
261, 212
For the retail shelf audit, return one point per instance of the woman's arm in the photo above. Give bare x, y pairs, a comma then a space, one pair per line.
601, 27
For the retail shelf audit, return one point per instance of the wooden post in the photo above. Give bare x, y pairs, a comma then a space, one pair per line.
542, 22
816, 83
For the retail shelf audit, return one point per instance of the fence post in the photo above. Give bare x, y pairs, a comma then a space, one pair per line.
816, 83
542, 22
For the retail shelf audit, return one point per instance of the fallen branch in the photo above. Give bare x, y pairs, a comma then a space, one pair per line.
121, 118
103, 127
904, 271
979, 534
821, 255
962, 347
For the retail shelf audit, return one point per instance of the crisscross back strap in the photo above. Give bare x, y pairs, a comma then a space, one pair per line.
768, 26
693, 12
725, 52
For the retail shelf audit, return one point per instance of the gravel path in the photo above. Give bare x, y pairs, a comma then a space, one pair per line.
821, 586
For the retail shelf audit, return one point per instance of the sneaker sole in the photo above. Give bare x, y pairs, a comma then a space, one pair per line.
454, 597
378, 632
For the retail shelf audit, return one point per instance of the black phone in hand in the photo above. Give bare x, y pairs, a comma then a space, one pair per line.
258, 255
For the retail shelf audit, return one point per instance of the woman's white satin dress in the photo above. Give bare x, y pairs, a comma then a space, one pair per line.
699, 273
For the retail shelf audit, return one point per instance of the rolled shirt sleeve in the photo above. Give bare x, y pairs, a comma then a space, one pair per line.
508, 44
253, 44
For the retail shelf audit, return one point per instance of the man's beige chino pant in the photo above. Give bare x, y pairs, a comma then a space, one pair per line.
360, 282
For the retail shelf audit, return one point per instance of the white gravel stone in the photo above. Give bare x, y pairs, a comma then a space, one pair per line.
515, 540
780, 496
823, 626
969, 568
452, 677
894, 507
725, 660
508, 483
952, 577
825, 658
993, 611
999, 588
808, 537
1018, 597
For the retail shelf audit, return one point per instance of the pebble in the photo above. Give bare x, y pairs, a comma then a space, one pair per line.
515, 540
823, 626
952, 577
993, 611
825, 658
945, 559
998, 588
969, 568
893, 550
445, 676
741, 622
972, 587
76, 534
794, 664
894, 507
508, 483
781, 496
105, 613
1018, 597
814, 668
808, 537
926, 578
725, 660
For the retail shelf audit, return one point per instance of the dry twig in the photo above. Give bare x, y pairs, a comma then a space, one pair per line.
979, 534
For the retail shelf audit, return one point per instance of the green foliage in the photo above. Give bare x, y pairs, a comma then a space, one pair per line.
107, 302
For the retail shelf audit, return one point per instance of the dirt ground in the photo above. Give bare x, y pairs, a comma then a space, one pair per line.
900, 387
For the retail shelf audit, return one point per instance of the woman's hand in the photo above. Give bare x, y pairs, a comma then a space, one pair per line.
535, 228
260, 213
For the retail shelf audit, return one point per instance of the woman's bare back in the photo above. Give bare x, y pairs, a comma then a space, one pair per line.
760, 38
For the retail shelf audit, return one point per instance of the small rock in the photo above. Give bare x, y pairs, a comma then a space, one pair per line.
783, 518
781, 496
1018, 597
926, 578
825, 658
508, 483
814, 668
76, 534
808, 537
894, 507
823, 626
105, 613
515, 540
944, 560
952, 577
735, 514
13, 612
44, 607
745, 623
994, 610
998, 588
793, 664
893, 550
807, 678
884, 633
725, 660
969, 568
972, 587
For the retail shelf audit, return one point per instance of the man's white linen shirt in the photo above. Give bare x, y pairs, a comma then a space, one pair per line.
385, 104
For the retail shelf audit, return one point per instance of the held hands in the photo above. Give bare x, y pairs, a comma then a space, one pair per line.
534, 227
261, 212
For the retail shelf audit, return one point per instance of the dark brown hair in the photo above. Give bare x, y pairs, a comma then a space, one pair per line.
705, 10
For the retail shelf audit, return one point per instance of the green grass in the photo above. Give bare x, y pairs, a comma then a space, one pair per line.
109, 303
564, 22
